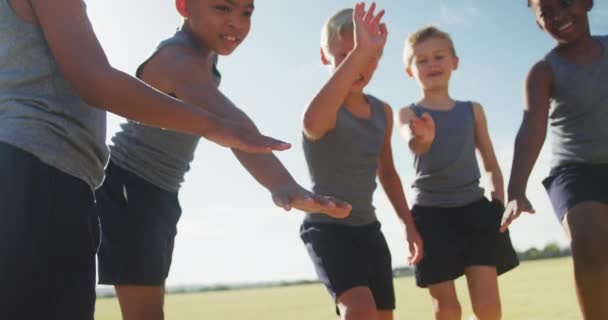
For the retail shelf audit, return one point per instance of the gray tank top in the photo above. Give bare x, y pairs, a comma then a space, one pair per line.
344, 163
161, 157
578, 116
40, 112
448, 175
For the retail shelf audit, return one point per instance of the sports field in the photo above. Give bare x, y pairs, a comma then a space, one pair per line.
536, 290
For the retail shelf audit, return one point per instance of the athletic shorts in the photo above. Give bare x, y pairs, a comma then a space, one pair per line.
461, 237
346, 257
49, 234
571, 184
139, 224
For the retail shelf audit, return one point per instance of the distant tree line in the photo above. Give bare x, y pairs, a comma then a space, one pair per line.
551, 250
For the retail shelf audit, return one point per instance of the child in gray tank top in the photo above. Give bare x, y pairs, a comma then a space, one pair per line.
568, 91
55, 86
459, 226
347, 144
138, 204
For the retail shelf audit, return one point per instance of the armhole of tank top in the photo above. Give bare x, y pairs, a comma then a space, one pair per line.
471, 106
163, 44
416, 110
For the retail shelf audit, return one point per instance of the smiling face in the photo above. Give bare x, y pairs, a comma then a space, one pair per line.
432, 63
337, 50
218, 25
565, 20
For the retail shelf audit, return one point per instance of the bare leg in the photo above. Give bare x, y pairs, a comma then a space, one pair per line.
385, 314
141, 302
483, 289
445, 301
357, 304
586, 224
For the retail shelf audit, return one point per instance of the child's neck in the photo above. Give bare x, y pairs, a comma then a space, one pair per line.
436, 99
355, 100
584, 50
206, 52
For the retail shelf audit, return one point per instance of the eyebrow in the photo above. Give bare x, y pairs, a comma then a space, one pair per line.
249, 6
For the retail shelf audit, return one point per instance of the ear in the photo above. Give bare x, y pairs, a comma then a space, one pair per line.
589, 5
324, 59
409, 72
455, 61
181, 6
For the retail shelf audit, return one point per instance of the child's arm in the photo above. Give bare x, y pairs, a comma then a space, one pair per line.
530, 139
76, 49
370, 37
418, 132
181, 71
389, 179
488, 157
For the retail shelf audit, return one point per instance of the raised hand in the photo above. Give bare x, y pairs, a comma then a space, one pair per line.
233, 135
370, 34
423, 128
294, 196
514, 209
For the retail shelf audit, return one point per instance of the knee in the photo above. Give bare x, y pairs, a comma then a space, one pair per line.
360, 311
447, 310
487, 311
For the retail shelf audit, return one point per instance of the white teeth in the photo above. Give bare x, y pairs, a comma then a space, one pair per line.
566, 26
230, 38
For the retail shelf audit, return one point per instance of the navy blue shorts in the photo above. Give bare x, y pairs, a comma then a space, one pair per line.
346, 257
139, 224
571, 184
49, 234
461, 237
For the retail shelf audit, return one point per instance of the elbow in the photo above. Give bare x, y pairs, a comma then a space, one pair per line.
311, 128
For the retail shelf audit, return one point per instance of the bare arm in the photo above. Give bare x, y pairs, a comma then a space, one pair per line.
391, 183
76, 49
181, 71
530, 139
488, 157
418, 132
370, 37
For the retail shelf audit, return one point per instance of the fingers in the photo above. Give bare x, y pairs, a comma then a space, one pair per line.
369, 15
415, 253
426, 117
282, 201
506, 222
359, 11
262, 144
383, 31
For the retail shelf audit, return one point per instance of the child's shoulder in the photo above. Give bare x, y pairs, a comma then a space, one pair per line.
379, 103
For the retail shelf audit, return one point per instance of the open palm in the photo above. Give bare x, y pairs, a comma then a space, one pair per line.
370, 33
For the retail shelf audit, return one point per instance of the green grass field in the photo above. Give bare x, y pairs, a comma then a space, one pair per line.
534, 291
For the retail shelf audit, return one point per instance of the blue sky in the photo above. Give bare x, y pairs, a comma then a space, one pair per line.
228, 221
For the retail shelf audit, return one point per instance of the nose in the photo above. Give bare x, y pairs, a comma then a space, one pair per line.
559, 14
235, 21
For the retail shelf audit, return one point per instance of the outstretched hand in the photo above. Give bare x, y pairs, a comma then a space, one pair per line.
294, 196
423, 128
370, 33
514, 209
233, 135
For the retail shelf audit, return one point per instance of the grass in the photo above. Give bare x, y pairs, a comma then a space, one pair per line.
536, 290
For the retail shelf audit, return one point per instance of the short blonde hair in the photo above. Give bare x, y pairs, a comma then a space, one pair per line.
337, 26
420, 36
